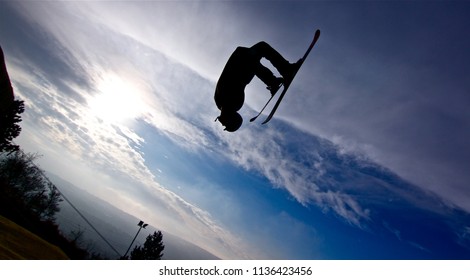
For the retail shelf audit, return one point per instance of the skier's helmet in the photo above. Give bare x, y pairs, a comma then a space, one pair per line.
231, 120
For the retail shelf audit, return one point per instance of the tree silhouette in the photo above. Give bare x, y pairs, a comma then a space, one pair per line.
152, 249
9, 128
10, 110
24, 189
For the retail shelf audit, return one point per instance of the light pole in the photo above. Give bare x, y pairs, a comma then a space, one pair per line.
141, 225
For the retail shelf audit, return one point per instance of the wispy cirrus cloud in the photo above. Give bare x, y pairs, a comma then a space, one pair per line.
301, 170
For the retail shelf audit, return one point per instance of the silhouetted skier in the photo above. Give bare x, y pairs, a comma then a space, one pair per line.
242, 66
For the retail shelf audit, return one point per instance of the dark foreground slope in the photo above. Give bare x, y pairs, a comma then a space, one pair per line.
17, 243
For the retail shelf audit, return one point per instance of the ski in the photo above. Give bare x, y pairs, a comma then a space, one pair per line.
288, 83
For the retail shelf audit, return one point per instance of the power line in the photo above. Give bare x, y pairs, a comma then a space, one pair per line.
76, 209
84, 218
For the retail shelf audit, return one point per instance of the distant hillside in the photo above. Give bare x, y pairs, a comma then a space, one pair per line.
17, 243
115, 225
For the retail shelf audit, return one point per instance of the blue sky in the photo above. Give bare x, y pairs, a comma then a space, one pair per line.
366, 158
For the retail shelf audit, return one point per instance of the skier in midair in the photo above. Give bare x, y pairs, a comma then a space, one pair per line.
242, 66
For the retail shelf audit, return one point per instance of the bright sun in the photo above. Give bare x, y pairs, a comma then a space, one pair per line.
117, 100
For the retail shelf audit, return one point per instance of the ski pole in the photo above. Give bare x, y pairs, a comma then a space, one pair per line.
254, 118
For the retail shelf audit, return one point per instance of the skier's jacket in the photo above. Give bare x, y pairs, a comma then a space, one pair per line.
237, 73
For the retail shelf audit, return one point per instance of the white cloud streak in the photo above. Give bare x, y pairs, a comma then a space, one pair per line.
264, 151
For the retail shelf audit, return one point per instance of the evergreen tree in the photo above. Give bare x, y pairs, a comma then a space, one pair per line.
10, 110
9, 127
152, 249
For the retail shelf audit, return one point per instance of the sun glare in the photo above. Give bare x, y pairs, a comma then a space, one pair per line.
117, 100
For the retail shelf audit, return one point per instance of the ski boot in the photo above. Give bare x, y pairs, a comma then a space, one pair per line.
274, 87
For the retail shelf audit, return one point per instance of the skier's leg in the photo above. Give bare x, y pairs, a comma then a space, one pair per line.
264, 74
263, 49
